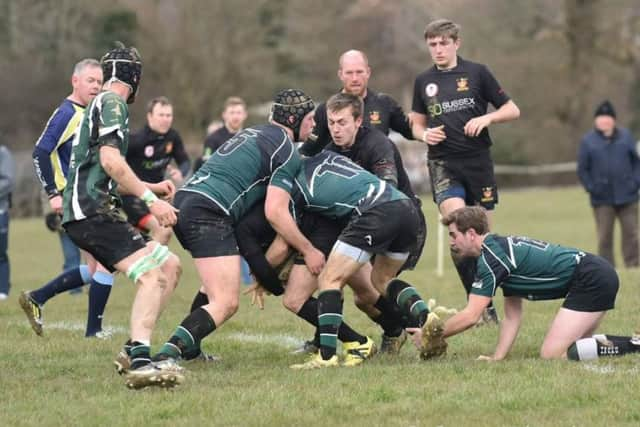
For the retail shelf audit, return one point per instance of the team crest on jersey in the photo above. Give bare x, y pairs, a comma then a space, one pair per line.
374, 117
431, 89
487, 194
168, 148
148, 151
463, 84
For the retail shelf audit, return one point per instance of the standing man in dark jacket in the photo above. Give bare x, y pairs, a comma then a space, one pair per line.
609, 169
7, 180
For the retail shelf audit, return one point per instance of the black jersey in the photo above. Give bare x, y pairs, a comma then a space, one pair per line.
380, 111
452, 98
373, 151
150, 153
214, 140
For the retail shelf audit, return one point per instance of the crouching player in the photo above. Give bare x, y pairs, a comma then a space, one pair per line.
531, 269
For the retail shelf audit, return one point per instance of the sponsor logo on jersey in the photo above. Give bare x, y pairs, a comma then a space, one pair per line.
431, 89
148, 151
368, 239
374, 118
168, 148
463, 84
436, 109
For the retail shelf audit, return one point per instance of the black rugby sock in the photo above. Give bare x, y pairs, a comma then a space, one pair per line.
409, 301
198, 301
390, 317
309, 312
329, 320
188, 335
601, 346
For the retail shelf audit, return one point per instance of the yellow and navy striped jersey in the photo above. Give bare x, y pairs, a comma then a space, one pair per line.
53, 149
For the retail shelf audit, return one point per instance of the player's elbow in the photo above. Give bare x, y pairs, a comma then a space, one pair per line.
514, 110
272, 212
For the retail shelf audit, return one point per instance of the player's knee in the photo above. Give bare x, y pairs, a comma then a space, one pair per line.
291, 302
380, 279
547, 353
161, 235
359, 302
152, 278
231, 307
173, 268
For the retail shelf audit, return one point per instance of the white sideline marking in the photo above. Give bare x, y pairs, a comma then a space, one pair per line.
604, 369
609, 369
76, 326
277, 339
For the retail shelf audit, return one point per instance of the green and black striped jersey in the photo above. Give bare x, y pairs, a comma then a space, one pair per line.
335, 187
524, 267
237, 174
90, 190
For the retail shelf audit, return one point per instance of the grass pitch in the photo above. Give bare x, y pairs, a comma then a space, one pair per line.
65, 379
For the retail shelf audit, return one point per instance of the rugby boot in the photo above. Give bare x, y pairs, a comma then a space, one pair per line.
432, 343
392, 345
307, 347
152, 375
33, 311
356, 353
317, 362
122, 362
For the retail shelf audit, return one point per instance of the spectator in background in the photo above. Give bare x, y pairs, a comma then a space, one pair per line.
214, 126
609, 169
151, 150
234, 114
7, 177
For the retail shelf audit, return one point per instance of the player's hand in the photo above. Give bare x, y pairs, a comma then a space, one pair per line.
257, 293
56, 204
175, 175
476, 125
486, 358
434, 136
416, 336
164, 189
314, 259
164, 213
